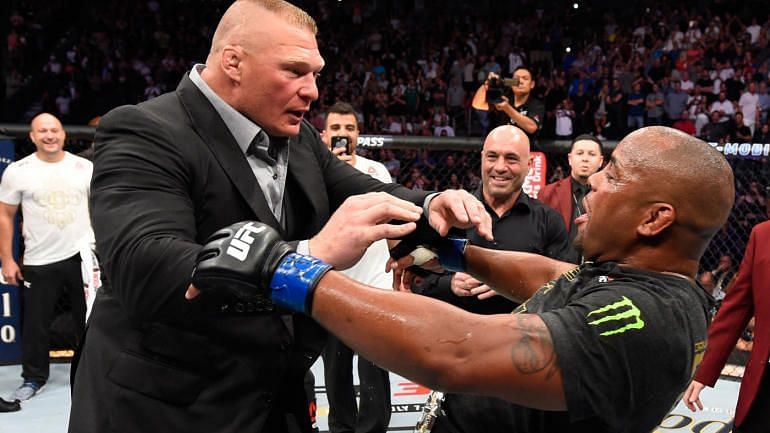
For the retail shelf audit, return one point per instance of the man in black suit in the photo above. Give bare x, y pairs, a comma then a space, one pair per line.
229, 144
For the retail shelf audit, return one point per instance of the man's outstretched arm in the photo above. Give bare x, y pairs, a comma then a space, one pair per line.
513, 274
442, 347
506, 356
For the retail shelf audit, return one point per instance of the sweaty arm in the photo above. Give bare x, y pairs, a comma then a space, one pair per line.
513, 274
506, 356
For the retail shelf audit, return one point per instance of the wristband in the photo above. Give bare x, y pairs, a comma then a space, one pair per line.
294, 281
451, 254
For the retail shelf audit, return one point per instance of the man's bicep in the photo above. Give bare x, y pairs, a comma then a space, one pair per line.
8, 211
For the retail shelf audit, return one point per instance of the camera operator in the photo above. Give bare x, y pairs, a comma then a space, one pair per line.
510, 102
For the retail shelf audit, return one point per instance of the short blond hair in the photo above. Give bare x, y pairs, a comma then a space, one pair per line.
292, 14
235, 19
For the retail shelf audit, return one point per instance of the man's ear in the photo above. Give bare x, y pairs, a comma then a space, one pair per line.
232, 56
530, 161
658, 217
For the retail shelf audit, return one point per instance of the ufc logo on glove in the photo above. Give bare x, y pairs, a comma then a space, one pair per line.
241, 242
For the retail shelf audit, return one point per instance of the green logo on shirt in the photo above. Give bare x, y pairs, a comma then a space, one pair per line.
620, 317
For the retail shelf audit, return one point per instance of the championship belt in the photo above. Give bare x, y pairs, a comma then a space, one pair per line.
430, 412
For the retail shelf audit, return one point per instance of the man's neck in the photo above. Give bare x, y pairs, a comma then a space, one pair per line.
520, 99
580, 179
501, 205
50, 157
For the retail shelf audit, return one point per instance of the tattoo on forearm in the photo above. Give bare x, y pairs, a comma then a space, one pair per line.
533, 352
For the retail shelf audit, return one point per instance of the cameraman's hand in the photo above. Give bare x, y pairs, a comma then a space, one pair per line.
341, 154
491, 76
504, 106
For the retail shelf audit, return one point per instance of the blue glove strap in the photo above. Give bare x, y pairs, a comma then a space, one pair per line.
451, 254
294, 281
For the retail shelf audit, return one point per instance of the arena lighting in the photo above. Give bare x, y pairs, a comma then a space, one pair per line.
568, 49
575, 5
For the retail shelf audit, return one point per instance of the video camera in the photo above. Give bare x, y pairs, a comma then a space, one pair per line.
496, 87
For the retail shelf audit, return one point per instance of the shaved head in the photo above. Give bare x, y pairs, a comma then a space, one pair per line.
47, 133
244, 17
689, 173
657, 203
504, 165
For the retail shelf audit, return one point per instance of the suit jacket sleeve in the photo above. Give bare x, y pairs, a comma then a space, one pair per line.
143, 215
733, 316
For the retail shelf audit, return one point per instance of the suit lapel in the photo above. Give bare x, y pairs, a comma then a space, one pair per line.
212, 129
567, 202
303, 169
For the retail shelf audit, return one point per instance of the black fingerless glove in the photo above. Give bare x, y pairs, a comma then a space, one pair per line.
250, 260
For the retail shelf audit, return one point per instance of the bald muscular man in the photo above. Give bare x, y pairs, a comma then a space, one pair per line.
605, 347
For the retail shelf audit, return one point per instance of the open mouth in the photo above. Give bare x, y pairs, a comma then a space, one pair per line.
299, 114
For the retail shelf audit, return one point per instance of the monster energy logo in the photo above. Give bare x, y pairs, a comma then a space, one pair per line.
623, 314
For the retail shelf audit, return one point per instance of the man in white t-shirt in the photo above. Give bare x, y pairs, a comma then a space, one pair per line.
749, 102
373, 413
52, 188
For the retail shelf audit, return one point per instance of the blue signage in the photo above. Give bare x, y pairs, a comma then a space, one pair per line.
10, 308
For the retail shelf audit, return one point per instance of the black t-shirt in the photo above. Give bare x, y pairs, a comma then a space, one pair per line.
532, 108
627, 342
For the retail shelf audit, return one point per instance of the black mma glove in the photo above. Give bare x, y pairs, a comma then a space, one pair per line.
448, 250
250, 260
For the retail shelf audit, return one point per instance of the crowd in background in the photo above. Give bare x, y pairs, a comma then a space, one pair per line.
412, 67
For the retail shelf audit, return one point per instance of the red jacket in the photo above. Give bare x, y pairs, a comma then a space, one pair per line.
558, 195
749, 296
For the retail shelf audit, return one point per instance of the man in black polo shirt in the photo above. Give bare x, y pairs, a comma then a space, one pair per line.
518, 107
519, 223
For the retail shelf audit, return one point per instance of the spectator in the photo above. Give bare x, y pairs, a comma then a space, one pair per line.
675, 102
565, 116
724, 107
615, 108
373, 413
748, 105
654, 106
685, 124
762, 135
636, 104
51, 188
714, 131
763, 101
739, 130
444, 130
744, 301
600, 111
698, 111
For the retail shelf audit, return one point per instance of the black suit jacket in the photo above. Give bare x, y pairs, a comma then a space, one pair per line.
167, 174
